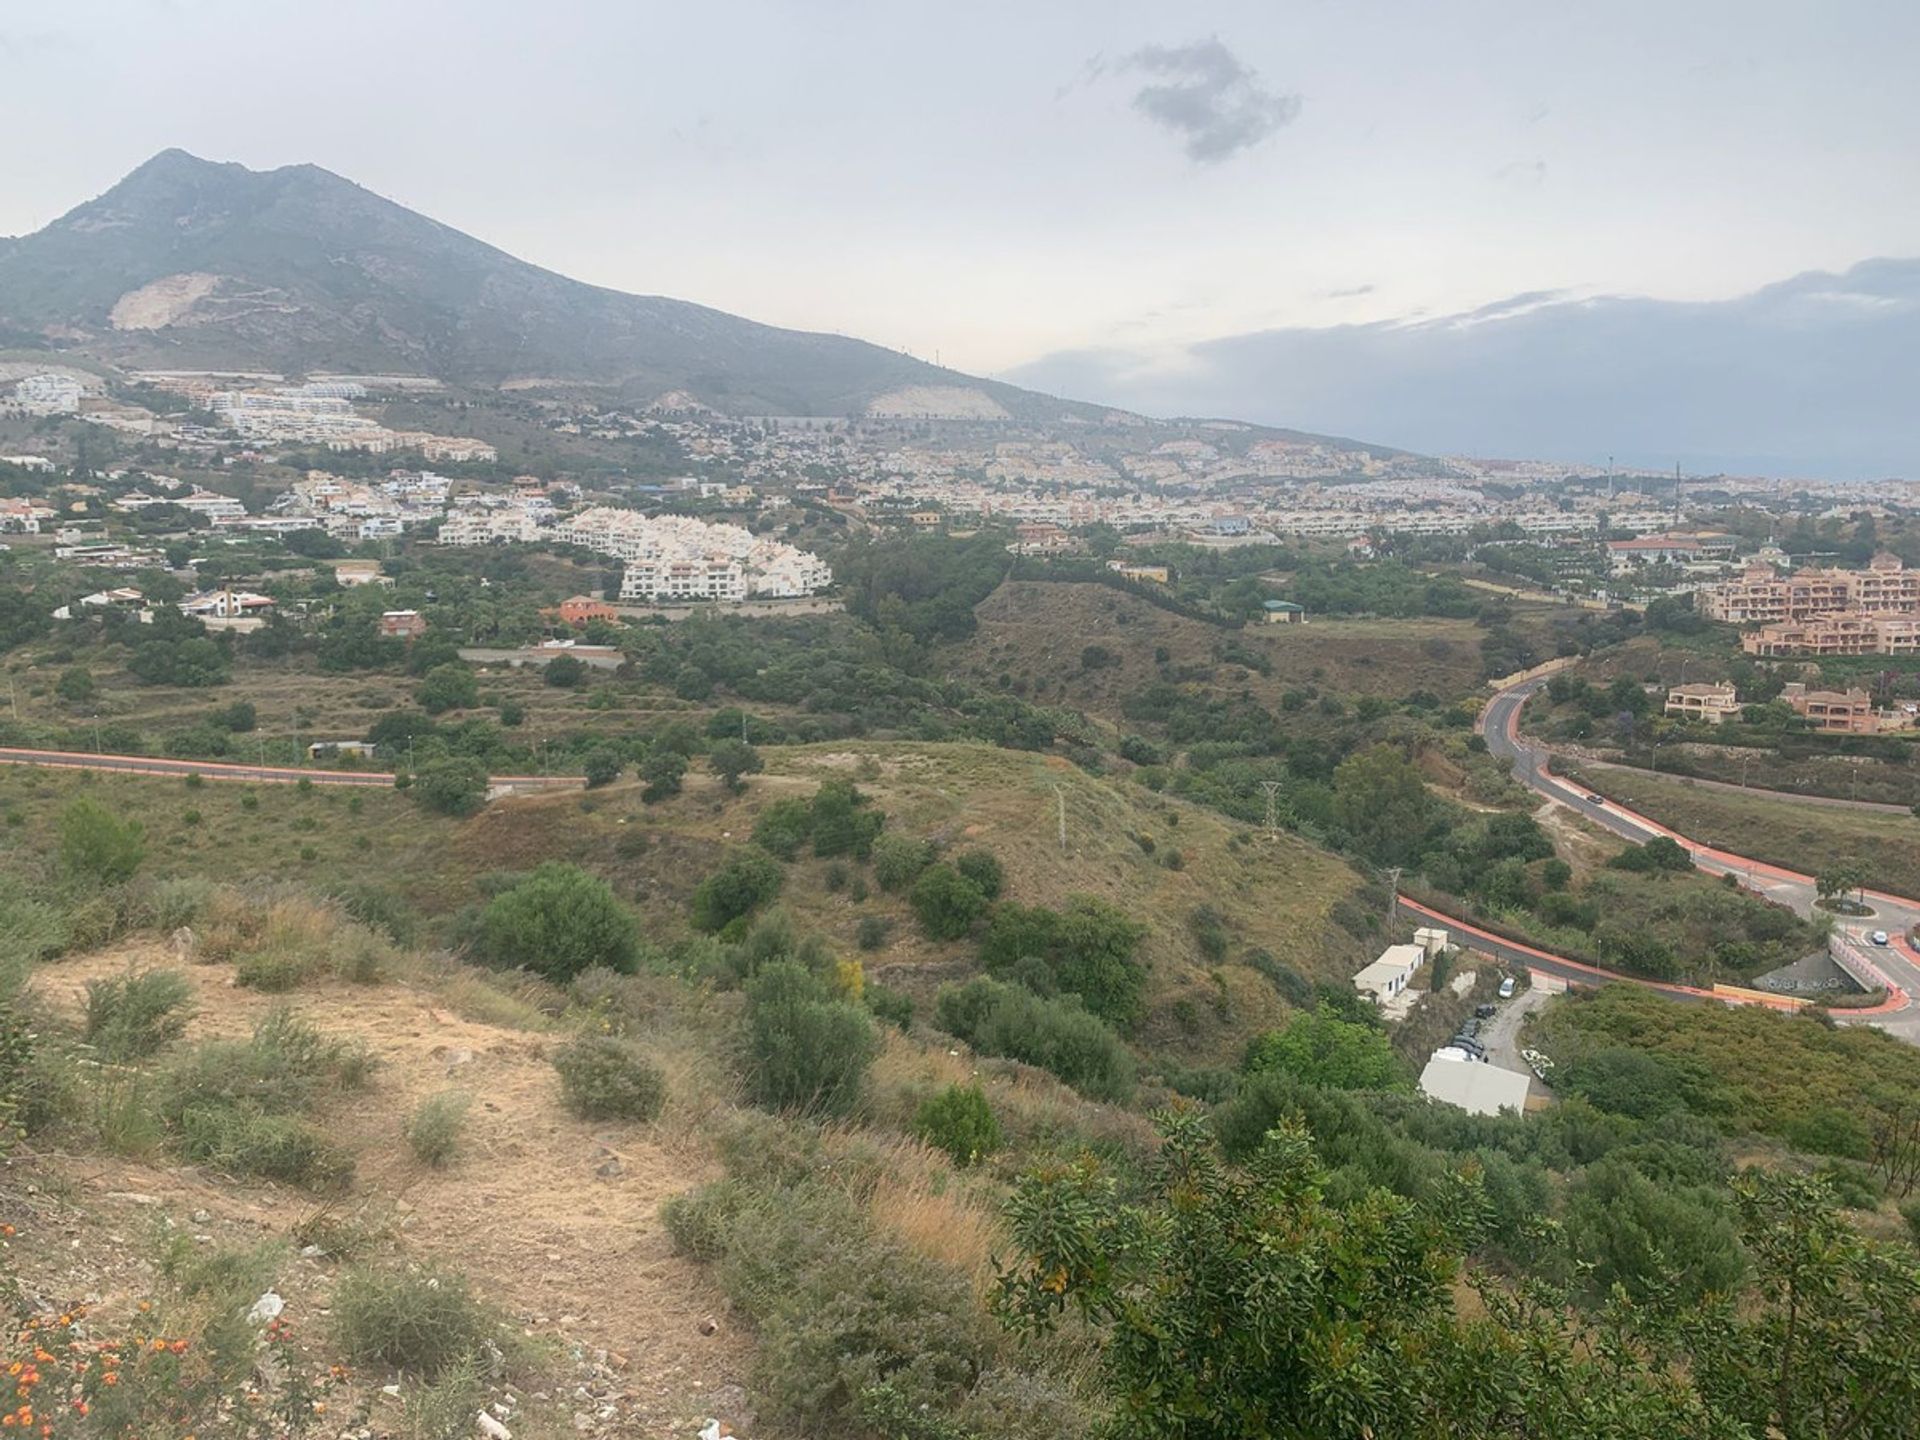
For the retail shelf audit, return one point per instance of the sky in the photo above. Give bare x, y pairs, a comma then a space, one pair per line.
1098, 192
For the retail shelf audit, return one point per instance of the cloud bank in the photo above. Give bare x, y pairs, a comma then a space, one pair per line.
1812, 376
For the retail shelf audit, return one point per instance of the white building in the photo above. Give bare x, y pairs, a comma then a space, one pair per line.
675, 557
50, 394
1475, 1086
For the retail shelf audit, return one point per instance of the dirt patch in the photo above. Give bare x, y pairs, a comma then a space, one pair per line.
162, 302
556, 1221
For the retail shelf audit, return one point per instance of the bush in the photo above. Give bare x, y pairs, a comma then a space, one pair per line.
558, 922
244, 1141
139, 1013
805, 1049
564, 672
1087, 949
604, 1078
898, 861
959, 1121
872, 931
946, 903
422, 1321
1657, 855
1320, 1049
842, 824
895, 1007
663, 770
783, 827
602, 766
747, 880
96, 845
448, 687
1055, 1034
983, 868
452, 785
1209, 928
433, 1132
75, 685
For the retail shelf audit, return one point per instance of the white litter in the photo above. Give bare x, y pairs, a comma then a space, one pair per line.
266, 1308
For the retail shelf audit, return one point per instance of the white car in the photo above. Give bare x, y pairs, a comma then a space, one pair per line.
1507, 988
1879, 937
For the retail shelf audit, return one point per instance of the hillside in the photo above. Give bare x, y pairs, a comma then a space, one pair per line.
190, 264
1123, 844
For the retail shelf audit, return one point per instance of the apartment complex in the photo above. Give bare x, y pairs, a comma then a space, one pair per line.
1677, 547
675, 557
1711, 703
1850, 633
1760, 597
1844, 712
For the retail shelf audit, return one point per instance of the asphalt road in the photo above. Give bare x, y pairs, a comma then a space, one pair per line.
1499, 723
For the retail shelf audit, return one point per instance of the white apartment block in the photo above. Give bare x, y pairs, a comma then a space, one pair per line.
675, 557
50, 394
475, 525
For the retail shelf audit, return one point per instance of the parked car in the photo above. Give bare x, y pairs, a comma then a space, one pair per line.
1596, 799
1879, 937
1507, 987
1483, 1012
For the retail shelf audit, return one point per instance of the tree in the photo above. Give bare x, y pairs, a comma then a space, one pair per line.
1651, 1239
730, 759
898, 861
75, 685
452, 686
1318, 1048
602, 766
983, 868
959, 1121
451, 785
1381, 800
97, 845
564, 672
663, 771
748, 879
1839, 879
946, 903
558, 922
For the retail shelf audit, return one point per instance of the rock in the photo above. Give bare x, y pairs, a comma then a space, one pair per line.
132, 1197
709, 1325
457, 1058
392, 1392
266, 1308
610, 1168
312, 1252
491, 1427
201, 1217
184, 943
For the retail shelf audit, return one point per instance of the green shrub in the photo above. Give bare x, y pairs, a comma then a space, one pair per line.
96, 845
959, 1121
842, 823
895, 1007
558, 922
1088, 950
602, 766
272, 972
1055, 1034
433, 1131
451, 785
663, 771
1209, 928
872, 931
783, 827
805, 1049
748, 879
422, 1321
898, 861
180, 902
246, 1141
451, 686
983, 868
280, 1070
946, 903
604, 1078
137, 1014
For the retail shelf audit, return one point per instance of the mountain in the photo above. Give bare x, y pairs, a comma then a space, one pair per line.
1811, 376
188, 264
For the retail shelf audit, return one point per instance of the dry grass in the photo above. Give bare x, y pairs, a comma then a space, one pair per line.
929, 1212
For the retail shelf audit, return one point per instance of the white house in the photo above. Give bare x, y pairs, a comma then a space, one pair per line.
1391, 973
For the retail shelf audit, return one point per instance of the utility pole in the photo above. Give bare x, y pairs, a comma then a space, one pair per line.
1272, 791
1393, 891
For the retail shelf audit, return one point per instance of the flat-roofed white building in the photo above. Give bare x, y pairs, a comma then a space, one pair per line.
1475, 1086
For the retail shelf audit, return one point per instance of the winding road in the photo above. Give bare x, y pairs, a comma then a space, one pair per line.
1899, 962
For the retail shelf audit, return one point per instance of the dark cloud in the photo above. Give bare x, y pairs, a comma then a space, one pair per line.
1808, 377
1204, 94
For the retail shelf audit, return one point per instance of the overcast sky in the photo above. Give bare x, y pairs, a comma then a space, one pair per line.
999, 182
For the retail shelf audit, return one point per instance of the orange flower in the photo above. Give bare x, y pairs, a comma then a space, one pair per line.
7, 1231
110, 1378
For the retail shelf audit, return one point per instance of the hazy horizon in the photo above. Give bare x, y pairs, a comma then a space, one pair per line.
1092, 196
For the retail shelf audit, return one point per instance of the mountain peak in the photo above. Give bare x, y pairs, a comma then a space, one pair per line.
196, 263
